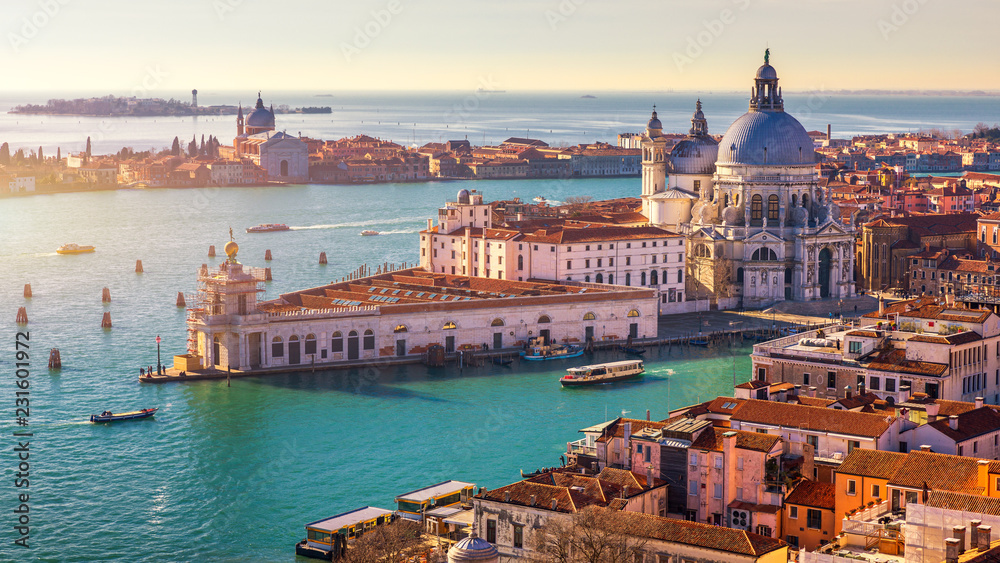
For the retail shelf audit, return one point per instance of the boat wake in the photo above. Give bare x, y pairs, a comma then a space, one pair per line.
356, 224
399, 232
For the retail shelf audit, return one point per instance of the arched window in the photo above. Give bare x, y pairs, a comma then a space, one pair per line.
702, 251
680, 276
739, 275
642, 278
653, 279
805, 201
586, 278
772, 208
764, 254
277, 347
611, 279
795, 200
293, 338
369, 340
352, 334
628, 278
497, 322
284, 168
589, 317
633, 313
520, 262
450, 325
337, 342
310, 344
399, 328
544, 319
756, 208
599, 278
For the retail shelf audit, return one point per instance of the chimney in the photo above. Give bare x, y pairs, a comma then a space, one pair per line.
625, 492
430, 223
958, 532
984, 537
649, 477
555, 503
974, 533
932, 411
881, 304
979, 402
861, 388
953, 422
797, 390
847, 391
812, 392
951, 551
925, 448
533, 500
506, 495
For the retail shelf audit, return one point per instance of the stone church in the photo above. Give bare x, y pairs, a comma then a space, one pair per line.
759, 228
284, 157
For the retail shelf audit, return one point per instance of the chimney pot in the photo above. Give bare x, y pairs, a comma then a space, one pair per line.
506, 496
951, 550
925, 448
533, 500
847, 391
979, 402
984, 537
555, 503
958, 532
974, 533
953, 422
812, 391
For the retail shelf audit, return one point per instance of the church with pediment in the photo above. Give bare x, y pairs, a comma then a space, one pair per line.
759, 227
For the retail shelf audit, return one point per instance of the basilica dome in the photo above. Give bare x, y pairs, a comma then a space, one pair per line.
261, 116
696, 153
766, 138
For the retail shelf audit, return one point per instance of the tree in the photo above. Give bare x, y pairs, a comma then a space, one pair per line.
5, 154
192, 150
175, 149
88, 148
388, 543
59, 154
592, 535
41, 156
577, 203
980, 129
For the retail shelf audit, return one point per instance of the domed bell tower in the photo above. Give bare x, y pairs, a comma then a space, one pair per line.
654, 159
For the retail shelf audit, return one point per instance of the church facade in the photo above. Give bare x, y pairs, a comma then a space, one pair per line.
284, 157
759, 228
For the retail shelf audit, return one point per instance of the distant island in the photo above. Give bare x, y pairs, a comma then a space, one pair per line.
588, 97
112, 106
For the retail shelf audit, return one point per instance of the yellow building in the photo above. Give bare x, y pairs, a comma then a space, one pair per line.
809, 516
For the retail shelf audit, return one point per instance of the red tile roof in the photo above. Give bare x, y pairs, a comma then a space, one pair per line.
714, 439
812, 418
872, 463
812, 493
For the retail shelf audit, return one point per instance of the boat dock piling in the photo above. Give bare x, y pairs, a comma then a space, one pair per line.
180, 299
105, 295
22, 316
322, 258
55, 362
27, 291
267, 255
211, 251
106, 321
138, 266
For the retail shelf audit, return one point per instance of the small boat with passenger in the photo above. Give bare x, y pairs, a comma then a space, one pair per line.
369, 233
74, 249
268, 228
539, 350
108, 416
602, 373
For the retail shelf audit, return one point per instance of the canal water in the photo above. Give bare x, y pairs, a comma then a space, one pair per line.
233, 473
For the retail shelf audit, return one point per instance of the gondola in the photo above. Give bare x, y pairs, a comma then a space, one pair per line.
108, 416
503, 361
633, 351
698, 342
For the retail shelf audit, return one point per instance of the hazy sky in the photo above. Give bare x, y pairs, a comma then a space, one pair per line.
115, 46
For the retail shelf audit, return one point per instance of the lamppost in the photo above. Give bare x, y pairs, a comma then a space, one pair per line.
157, 353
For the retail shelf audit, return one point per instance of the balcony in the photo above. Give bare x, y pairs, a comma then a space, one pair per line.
580, 447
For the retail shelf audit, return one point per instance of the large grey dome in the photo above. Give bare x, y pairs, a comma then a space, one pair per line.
694, 155
766, 138
260, 116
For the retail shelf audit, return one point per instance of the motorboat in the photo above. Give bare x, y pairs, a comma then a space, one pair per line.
108, 416
268, 228
538, 350
602, 373
370, 233
74, 249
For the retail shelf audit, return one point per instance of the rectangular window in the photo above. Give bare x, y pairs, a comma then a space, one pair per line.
491, 530
718, 490
518, 535
739, 462
792, 540
874, 383
694, 460
852, 445
813, 441
693, 488
852, 487
876, 491
599, 260
611, 262
739, 493
718, 462
854, 347
569, 264
793, 512
805, 379
814, 519
628, 260
586, 263
890, 385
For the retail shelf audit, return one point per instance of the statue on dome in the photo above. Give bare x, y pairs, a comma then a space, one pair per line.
767, 56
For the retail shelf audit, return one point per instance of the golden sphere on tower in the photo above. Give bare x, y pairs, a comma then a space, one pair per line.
231, 249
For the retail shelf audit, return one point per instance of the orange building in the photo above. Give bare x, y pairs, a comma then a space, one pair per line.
809, 516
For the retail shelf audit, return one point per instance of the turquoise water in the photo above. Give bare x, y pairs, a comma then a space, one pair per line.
233, 474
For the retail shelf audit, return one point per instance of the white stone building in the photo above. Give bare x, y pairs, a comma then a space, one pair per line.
759, 228
284, 157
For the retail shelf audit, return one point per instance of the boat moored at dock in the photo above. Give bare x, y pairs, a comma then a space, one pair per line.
538, 350
327, 538
602, 373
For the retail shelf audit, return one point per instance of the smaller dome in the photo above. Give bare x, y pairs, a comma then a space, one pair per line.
654, 122
231, 249
473, 549
767, 72
463, 196
694, 155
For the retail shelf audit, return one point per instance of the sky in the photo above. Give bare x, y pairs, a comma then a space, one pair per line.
121, 46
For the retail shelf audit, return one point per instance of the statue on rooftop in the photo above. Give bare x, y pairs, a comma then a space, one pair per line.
767, 56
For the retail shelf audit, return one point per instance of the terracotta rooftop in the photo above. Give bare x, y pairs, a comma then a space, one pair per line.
965, 502
895, 361
971, 424
707, 536
813, 493
872, 463
714, 439
812, 418
939, 472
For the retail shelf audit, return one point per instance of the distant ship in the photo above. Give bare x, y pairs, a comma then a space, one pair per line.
370, 233
589, 97
268, 228
315, 110
74, 249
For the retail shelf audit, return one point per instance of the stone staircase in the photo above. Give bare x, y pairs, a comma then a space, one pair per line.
823, 308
